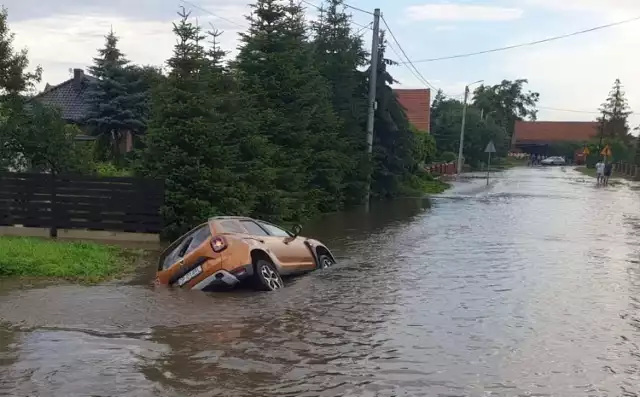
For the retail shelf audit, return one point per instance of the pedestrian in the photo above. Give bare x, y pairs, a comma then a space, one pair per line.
608, 168
599, 172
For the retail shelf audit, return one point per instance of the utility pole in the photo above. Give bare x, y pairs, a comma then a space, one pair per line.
373, 82
464, 120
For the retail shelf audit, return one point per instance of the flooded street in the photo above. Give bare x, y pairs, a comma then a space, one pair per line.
528, 287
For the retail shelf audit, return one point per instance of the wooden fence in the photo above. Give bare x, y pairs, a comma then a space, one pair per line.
442, 168
80, 202
629, 170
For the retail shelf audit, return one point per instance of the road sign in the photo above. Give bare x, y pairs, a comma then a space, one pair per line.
491, 148
586, 151
606, 151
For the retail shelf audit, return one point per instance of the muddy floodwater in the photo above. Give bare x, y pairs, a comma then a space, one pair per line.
528, 287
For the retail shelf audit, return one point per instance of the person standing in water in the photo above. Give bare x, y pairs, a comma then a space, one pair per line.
608, 168
599, 172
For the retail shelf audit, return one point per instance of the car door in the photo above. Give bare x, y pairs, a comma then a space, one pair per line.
294, 251
294, 256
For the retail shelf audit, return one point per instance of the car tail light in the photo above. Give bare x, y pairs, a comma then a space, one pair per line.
218, 244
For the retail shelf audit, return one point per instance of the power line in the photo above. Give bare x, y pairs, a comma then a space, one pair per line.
312, 5
564, 36
405, 55
576, 111
211, 13
357, 9
418, 77
566, 110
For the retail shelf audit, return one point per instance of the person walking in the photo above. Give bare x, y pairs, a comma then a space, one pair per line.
608, 168
599, 172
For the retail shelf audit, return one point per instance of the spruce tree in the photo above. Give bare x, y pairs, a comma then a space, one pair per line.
297, 131
339, 56
615, 113
116, 99
394, 143
14, 79
191, 135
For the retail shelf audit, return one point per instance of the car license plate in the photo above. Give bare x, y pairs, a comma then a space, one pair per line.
189, 276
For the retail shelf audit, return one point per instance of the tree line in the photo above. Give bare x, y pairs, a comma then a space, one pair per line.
278, 132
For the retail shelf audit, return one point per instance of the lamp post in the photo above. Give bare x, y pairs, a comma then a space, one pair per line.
464, 120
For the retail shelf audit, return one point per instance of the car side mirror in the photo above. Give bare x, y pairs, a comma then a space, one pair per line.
296, 230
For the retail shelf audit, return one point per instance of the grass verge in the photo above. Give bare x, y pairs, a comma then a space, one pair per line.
74, 261
591, 172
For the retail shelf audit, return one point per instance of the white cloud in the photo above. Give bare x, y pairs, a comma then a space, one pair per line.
61, 42
578, 73
459, 12
610, 10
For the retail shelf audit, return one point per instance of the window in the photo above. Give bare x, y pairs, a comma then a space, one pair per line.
188, 244
274, 230
253, 228
231, 227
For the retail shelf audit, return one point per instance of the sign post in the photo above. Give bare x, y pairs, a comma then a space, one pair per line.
606, 152
491, 148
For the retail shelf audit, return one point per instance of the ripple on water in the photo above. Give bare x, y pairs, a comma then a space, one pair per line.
528, 287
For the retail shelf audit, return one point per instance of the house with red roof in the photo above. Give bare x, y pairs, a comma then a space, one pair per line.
535, 137
417, 105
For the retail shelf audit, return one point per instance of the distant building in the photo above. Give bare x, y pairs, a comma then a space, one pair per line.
417, 104
535, 137
72, 98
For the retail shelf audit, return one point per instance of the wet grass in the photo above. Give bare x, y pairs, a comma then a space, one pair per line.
435, 187
592, 173
74, 261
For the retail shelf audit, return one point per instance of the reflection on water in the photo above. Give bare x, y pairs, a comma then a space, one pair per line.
528, 287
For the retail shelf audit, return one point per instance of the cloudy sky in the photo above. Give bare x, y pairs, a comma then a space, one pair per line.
571, 74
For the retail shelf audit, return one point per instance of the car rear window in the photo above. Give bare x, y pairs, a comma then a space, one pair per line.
253, 228
188, 244
231, 227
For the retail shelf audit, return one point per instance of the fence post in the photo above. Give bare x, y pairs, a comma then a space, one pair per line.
53, 229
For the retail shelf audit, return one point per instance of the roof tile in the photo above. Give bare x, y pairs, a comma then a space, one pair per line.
71, 97
554, 131
417, 104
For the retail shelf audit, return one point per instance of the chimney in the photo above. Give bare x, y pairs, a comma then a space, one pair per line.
78, 78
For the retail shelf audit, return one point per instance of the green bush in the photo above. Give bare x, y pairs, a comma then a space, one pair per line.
108, 169
448, 157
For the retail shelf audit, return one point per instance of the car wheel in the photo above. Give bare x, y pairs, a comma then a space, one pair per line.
267, 277
325, 261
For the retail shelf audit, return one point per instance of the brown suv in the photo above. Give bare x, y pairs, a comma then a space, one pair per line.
227, 250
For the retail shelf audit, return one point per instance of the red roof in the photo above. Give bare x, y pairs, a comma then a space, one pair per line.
554, 131
417, 104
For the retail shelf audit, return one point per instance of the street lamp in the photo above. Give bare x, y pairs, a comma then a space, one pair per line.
464, 120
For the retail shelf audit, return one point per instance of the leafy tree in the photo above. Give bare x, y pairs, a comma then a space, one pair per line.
446, 124
507, 102
190, 138
340, 56
299, 171
118, 98
14, 79
44, 141
615, 112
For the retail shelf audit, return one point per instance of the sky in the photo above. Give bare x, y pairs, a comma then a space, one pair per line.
573, 74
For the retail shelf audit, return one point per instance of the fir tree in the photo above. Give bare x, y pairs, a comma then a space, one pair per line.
339, 57
297, 127
116, 99
395, 143
190, 138
615, 112
14, 79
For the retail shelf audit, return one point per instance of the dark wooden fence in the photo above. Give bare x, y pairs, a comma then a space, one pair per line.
80, 202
